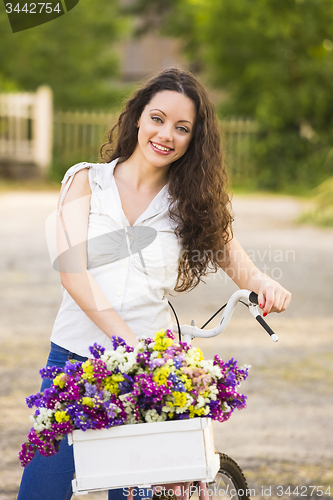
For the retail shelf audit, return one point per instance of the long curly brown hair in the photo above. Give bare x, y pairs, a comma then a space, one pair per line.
197, 181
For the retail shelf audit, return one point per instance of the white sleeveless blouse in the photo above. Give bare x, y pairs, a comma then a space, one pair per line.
134, 266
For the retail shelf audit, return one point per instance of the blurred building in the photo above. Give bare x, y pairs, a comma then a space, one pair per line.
148, 54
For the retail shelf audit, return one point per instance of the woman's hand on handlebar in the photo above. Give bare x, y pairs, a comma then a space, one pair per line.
272, 297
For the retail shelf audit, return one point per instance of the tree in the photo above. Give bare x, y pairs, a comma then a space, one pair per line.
275, 60
73, 54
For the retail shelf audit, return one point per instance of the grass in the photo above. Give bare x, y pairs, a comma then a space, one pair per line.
321, 213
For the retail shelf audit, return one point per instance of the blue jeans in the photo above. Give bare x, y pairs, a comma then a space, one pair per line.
50, 478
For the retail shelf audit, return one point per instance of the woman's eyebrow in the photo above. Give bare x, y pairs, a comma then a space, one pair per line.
156, 109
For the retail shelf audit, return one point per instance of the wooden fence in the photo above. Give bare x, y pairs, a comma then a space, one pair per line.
239, 135
79, 135
26, 128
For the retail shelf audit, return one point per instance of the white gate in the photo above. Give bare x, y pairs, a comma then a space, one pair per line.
26, 129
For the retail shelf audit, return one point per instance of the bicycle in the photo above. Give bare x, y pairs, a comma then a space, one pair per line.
229, 482
230, 475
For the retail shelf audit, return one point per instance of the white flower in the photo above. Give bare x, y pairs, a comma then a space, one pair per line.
193, 356
43, 420
119, 359
131, 419
140, 345
213, 370
153, 416
201, 402
106, 395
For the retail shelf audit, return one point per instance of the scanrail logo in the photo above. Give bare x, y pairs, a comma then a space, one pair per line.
24, 15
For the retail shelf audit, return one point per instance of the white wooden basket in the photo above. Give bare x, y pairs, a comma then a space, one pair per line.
144, 455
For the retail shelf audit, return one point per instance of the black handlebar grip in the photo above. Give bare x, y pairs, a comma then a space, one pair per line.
253, 297
268, 329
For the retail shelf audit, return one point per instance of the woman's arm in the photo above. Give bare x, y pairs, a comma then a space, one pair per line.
272, 297
72, 230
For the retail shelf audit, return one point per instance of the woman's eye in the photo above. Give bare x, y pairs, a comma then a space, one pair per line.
156, 119
183, 129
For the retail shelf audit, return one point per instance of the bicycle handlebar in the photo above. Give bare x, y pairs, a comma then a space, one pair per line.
191, 331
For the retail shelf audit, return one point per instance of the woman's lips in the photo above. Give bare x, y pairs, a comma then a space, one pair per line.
160, 151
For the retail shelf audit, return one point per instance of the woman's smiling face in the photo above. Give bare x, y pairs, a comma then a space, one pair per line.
166, 127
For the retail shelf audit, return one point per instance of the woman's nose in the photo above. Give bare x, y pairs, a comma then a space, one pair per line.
165, 133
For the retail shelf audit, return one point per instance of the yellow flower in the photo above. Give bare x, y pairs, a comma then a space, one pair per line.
180, 398
88, 402
61, 416
201, 356
187, 382
161, 342
88, 371
111, 383
194, 412
59, 380
161, 375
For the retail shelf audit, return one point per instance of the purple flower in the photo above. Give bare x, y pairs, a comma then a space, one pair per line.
179, 387
62, 428
97, 350
27, 453
50, 372
50, 397
178, 362
155, 363
218, 361
184, 346
170, 335
125, 387
90, 390
231, 380
117, 341
73, 410
232, 363
143, 357
33, 400
73, 367
82, 421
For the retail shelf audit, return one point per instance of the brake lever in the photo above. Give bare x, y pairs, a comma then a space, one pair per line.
253, 308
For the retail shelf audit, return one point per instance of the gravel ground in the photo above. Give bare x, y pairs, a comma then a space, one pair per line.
285, 436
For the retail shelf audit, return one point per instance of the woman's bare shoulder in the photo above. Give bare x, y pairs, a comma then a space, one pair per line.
79, 187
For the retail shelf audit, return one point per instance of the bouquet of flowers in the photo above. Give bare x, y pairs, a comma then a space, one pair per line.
155, 381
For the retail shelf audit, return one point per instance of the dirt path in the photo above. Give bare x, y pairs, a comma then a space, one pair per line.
285, 435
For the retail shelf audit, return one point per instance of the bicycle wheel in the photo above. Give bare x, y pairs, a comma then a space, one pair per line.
229, 484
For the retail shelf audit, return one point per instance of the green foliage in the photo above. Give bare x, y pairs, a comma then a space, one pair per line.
73, 54
274, 58
322, 212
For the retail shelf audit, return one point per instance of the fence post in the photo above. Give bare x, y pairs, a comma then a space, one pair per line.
43, 128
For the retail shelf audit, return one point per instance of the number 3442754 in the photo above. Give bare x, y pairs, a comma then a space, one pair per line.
306, 491
33, 8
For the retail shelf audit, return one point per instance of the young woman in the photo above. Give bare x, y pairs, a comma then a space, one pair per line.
152, 218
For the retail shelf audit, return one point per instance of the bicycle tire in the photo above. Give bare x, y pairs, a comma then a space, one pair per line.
230, 481
229, 484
